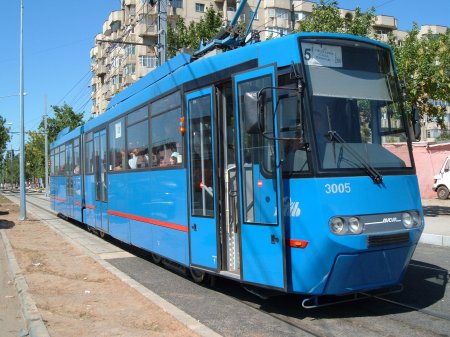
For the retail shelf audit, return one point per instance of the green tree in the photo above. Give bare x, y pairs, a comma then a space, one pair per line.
423, 63
4, 136
64, 117
35, 156
181, 36
326, 17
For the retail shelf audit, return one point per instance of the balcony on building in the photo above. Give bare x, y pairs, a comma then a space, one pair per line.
106, 28
282, 4
385, 21
144, 30
303, 6
433, 29
101, 70
114, 18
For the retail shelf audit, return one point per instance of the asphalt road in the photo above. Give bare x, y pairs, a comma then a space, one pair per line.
224, 308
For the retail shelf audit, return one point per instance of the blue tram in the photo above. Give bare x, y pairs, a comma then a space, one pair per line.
276, 164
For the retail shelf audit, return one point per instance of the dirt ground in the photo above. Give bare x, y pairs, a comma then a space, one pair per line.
74, 294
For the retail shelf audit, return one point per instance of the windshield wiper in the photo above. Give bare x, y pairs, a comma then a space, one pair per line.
376, 176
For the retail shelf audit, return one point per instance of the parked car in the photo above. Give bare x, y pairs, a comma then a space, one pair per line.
442, 181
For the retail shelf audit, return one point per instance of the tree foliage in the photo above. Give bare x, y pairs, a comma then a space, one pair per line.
326, 17
181, 36
35, 155
4, 135
64, 117
423, 63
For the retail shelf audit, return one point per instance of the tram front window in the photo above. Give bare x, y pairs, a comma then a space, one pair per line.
355, 106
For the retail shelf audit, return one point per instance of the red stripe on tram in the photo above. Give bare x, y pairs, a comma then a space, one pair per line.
150, 221
90, 206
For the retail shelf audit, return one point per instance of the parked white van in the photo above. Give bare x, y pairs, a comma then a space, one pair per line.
442, 181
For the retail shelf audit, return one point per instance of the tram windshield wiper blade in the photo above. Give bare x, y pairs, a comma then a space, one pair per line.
376, 176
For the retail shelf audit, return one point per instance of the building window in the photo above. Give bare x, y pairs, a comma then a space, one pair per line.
200, 8
148, 61
278, 13
115, 62
256, 16
117, 79
129, 69
130, 50
177, 3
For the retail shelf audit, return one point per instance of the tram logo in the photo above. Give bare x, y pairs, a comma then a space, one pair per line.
290, 208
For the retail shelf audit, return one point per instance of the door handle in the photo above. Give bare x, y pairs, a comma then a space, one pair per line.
274, 239
194, 227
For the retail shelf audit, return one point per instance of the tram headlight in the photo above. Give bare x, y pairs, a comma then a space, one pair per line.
354, 225
407, 220
417, 220
338, 226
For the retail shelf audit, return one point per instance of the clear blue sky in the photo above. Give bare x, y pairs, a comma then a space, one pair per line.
58, 36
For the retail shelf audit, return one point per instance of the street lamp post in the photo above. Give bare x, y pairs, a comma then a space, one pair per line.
23, 207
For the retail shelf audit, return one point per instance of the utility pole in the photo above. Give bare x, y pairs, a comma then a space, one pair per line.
23, 206
162, 31
46, 147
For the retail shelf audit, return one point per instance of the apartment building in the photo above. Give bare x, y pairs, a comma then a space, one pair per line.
116, 65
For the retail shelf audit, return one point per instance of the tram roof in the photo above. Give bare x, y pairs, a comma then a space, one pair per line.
182, 69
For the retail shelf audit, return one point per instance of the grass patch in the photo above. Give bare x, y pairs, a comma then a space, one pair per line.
4, 200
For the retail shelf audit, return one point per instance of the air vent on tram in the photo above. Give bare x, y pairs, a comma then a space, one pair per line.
384, 240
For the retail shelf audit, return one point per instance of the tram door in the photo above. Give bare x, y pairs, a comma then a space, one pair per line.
202, 189
69, 179
101, 206
259, 176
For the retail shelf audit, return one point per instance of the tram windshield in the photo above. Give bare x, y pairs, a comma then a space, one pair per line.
355, 107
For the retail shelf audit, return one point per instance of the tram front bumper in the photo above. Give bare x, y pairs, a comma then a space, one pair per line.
368, 270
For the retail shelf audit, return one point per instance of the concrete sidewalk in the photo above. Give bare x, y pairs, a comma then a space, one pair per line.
437, 222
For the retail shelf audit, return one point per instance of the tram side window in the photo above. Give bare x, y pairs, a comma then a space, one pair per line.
117, 156
167, 145
290, 126
200, 140
52, 162
89, 151
69, 160
62, 160
56, 162
76, 157
137, 138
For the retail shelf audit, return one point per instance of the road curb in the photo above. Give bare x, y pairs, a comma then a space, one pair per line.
33, 319
435, 239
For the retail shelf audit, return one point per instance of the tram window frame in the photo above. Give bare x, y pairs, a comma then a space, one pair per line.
137, 138
76, 157
62, 160
117, 147
52, 162
167, 107
89, 154
69, 159
285, 80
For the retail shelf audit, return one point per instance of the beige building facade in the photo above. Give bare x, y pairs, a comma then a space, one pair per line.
116, 65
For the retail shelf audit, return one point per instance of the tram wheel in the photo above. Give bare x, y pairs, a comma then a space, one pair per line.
443, 192
197, 275
156, 258
101, 234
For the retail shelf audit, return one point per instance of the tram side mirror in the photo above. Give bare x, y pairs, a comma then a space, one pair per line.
415, 113
251, 112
